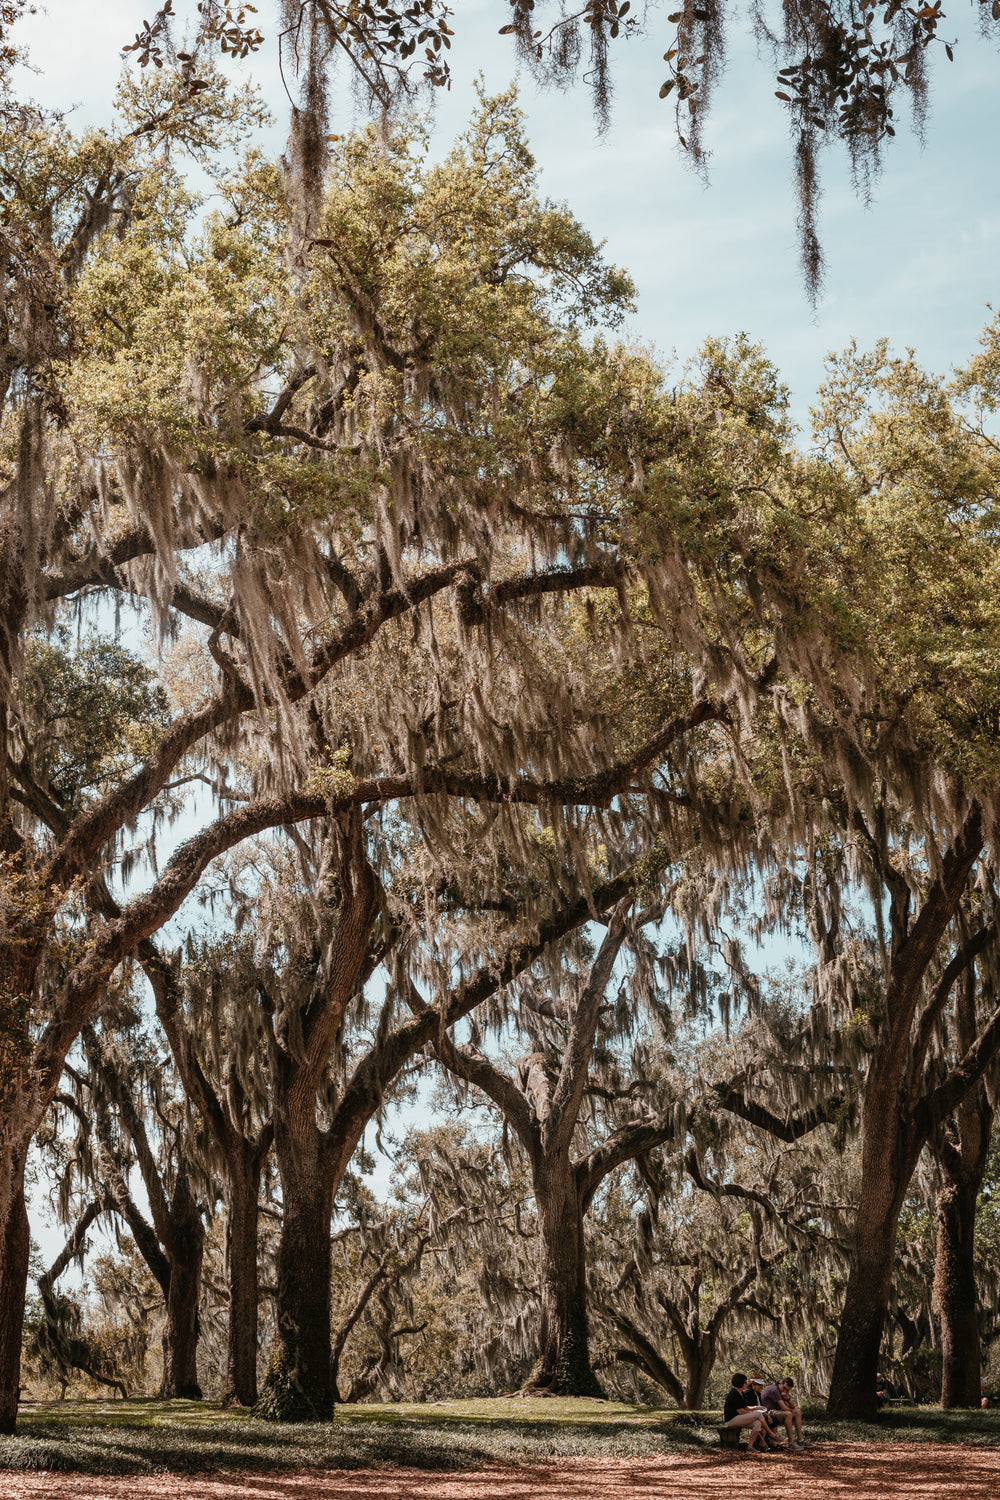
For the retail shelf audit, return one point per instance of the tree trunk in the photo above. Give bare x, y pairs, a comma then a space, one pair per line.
180, 1329
886, 1167
962, 1149
563, 1366
14, 1249
699, 1361
955, 1294
299, 1385
241, 1259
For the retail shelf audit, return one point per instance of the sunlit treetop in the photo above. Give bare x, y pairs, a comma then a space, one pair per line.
843, 69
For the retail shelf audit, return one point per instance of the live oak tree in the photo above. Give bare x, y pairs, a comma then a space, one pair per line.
890, 755
335, 437
848, 1046
141, 1124
726, 1235
215, 1037
551, 1102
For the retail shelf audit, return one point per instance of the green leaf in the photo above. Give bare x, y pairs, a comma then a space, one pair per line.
665, 90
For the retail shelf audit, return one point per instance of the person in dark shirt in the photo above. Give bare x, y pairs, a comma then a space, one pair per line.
739, 1411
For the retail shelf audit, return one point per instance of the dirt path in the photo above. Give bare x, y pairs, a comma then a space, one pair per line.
875, 1471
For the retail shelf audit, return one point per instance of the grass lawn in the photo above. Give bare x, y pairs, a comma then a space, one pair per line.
122, 1437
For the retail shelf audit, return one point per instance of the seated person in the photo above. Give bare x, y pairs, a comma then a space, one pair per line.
777, 1400
770, 1433
739, 1411
986, 1400
883, 1390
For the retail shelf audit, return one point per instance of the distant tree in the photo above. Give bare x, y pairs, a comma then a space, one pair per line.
729, 1235
60, 1347
131, 1122
138, 1124
215, 1037
545, 1102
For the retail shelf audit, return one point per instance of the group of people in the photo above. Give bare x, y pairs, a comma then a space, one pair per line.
764, 1409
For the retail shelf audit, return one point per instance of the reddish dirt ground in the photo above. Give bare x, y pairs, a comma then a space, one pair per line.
861, 1471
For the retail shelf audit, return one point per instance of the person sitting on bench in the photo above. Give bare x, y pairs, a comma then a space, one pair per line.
770, 1432
777, 1399
739, 1412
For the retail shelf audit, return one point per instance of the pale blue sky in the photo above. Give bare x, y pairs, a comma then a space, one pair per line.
918, 266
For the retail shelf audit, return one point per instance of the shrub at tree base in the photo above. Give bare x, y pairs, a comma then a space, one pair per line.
285, 1397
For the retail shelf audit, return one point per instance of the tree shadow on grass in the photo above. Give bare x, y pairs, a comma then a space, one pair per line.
181, 1442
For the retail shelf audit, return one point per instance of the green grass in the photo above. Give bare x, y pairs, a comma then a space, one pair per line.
127, 1437
922, 1424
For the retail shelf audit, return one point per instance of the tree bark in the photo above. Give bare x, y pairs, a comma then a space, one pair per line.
181, 1329
962, 1150
242, 1189
563, 1367
699, 1362
887, 1162
955, 1294
962, 1147
299, 1383
14, 1250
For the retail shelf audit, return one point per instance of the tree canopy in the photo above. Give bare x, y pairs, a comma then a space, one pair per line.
475, 630
843, 71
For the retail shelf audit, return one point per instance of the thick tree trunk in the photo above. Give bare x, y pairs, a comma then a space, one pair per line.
563, 1366
180, 1329
955, 1294
241, 1260
886, 1167
14, 1249
855, 1366
299, 1385
962, 1148
699, 1362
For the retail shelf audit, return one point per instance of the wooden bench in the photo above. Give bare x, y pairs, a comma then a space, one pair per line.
729, 1437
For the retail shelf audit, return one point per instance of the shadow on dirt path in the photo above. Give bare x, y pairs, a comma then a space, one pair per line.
860, 1471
